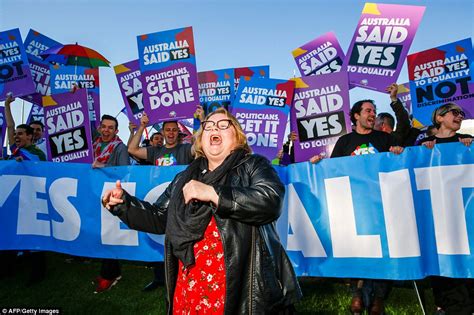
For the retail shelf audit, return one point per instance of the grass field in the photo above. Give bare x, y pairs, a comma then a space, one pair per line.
69, 286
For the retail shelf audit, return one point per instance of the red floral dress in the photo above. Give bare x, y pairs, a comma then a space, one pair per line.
200, 289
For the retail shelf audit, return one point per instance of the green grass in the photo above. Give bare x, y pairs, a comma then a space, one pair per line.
69, 286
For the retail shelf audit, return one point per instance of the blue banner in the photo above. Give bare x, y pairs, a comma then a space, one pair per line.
376, 216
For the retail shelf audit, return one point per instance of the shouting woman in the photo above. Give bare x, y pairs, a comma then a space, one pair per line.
222, 252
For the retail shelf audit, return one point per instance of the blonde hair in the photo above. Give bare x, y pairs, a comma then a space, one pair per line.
441, 111
241, 139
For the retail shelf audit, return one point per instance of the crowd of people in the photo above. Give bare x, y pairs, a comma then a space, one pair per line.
222, 253
377, 133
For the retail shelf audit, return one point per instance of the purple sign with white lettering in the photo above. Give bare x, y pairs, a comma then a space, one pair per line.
262, 107
404, 95
41, 77
380, 44
168, 74
35, 44
67, 127
320, 56
3, 128
320, 114
216, 89
128, 78
63, 78
15, 75
36, 114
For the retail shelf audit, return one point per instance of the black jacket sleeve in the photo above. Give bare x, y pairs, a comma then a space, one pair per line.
143, 216
257, 202
403, 122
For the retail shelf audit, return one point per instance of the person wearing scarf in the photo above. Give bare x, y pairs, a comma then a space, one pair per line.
222, 252
109, 150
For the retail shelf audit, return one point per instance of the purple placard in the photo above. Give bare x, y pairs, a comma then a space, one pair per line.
68, 133
63, 78
36, 114
15, 75
169, 76
320, 113
128, 78
41, 76
404, 95
380, 44
35, 44
262, 107
322, 55
3, 129
216, 89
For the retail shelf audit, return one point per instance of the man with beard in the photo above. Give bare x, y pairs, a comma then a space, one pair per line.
361, 141
157, 139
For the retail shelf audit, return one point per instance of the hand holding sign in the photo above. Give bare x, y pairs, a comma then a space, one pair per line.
392, 89
9, 99
396, 150
144, 120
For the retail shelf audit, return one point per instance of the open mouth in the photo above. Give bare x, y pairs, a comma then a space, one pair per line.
216, 140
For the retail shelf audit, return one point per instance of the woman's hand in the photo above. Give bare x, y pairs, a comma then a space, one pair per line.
466, 141
396, 149
195, 190
113, 197
97, 164
318, 157
429, 144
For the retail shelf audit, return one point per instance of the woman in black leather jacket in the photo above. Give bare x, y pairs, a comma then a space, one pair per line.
240, 196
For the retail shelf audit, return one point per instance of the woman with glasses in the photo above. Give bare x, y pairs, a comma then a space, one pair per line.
451, 295
222, 252
447, 119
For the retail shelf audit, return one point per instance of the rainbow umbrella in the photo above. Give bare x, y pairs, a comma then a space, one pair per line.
75, 55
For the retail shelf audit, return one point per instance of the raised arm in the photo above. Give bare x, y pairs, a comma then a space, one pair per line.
137, 214
131, 128
134, 143
403, 119
9, 120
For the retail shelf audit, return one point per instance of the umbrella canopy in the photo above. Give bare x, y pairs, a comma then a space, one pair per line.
75, 55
